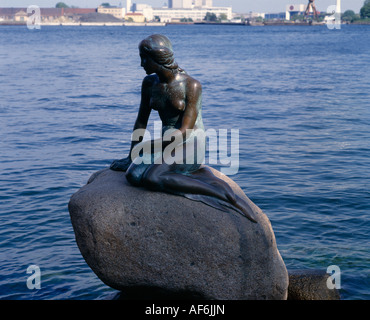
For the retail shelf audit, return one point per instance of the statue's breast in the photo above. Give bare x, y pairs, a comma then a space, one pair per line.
168, 97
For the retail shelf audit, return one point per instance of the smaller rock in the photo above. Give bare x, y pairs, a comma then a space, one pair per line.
310, 285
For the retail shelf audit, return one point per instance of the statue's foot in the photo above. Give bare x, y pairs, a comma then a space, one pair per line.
120, 165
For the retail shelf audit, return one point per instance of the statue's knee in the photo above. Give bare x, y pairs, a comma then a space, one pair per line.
129, 177
132, 177
152, 181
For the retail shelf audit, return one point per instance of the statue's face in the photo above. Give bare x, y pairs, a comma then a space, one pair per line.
148, 63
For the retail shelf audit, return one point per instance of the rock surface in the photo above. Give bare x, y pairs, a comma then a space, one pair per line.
155, 244
310, 285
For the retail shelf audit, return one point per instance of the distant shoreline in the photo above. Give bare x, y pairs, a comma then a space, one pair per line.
163, 24
78, 24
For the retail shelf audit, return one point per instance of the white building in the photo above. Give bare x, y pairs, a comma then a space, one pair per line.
207, 3
140, 6
292, 9
196, 14
188, 4
128, 6
145, 10
175, 4
180, 9
250, 15
117, 12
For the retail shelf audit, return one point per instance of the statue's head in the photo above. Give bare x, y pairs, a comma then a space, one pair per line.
159, 48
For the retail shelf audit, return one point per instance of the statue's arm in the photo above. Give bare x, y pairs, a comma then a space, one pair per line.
140, 123
193, 97
144, 109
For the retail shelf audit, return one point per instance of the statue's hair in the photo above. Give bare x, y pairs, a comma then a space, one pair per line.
159, 48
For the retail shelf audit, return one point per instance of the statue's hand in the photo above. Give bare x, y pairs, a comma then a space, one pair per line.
121, 165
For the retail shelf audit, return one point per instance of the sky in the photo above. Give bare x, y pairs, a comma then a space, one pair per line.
240, 6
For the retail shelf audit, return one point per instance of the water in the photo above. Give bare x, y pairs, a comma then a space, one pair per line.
298, 95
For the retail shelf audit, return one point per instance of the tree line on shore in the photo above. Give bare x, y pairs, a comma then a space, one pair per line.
364, 15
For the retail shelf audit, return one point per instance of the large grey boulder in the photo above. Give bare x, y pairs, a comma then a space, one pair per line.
140, 241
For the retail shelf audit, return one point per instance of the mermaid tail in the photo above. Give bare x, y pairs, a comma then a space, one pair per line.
222, 205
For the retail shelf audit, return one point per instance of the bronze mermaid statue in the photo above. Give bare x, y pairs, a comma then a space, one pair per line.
177, 98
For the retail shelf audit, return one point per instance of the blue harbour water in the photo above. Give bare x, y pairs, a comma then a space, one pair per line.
300, 97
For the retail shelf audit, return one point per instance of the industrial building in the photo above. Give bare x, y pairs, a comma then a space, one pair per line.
294, 9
